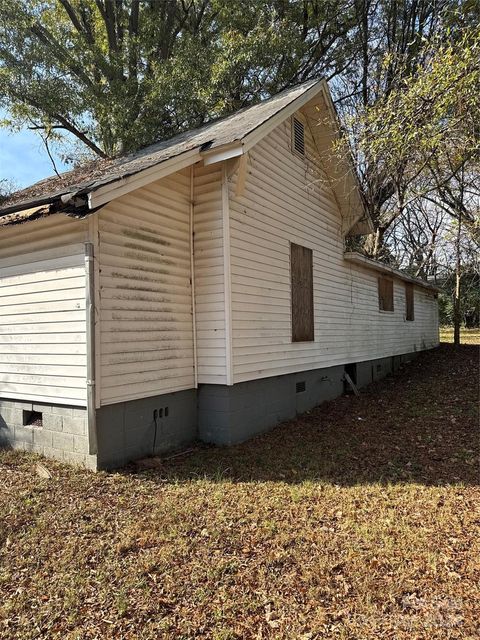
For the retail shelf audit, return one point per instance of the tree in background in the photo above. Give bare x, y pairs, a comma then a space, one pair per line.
116, 75
425, 136
120, 74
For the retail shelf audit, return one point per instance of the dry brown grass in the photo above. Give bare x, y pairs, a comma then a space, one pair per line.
467, 336
359, 520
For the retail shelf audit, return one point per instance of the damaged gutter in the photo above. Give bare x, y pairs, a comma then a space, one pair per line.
69, 204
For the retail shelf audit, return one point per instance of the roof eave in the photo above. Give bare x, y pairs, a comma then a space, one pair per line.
363, 261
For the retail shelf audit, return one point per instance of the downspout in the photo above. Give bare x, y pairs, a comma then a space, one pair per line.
192, 278
90, 337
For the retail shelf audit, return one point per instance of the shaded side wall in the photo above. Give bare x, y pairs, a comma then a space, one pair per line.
145, 338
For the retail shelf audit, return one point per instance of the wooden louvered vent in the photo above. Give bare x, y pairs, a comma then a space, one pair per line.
298, 129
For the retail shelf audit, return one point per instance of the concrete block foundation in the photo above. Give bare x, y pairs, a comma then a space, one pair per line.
51, 430
218, 414
149, 426
228, 415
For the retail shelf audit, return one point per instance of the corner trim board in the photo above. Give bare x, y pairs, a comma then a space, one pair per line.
90, 338
227, 276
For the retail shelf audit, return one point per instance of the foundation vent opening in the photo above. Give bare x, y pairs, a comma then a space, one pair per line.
300, 386
32, 419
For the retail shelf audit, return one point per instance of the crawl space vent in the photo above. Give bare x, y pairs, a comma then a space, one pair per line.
300, 386
32, 419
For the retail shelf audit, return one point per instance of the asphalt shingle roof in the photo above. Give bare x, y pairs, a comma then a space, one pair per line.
92, 175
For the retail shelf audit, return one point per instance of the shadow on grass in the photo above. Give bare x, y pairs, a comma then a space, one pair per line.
419, 426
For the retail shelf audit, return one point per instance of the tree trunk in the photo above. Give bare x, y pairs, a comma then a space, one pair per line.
458, 276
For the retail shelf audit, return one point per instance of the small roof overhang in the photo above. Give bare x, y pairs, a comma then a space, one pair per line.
363, 261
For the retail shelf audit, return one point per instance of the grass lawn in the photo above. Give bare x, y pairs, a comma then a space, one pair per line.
467, 336
359, 520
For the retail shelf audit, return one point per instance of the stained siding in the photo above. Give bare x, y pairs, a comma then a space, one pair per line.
209, 275
288, 199
146, 336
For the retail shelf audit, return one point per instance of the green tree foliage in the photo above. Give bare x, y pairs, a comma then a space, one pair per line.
119, 74
430, 122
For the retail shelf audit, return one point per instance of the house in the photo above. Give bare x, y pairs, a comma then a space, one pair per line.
199, 288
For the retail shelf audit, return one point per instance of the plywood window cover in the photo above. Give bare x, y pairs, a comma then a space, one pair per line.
385, 294
298, 135
409, 302
301, 272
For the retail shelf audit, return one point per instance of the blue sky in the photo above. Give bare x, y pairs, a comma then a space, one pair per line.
23, 158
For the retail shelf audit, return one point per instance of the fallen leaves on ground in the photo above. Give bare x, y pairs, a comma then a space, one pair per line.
327, 527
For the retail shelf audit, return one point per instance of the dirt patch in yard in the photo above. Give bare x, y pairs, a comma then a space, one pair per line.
358, 520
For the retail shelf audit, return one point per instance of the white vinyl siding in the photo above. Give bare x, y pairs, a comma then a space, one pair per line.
42, 329
48, 233
287, 199
209, 275
146, 327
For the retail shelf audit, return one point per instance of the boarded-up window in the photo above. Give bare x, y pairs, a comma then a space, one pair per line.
385, 294
409, 302
298, 136
301, 265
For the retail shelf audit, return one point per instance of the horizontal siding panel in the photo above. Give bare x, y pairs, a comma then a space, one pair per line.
39, 235
286, 199
41, 317
44, 339
43, 333
149, 358
146, 323
144, 390
39, 379
36, 359
57, 394
44, 307
43, 328
183, 369
209, 276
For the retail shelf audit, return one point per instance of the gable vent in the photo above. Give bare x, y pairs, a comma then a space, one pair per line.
299, 136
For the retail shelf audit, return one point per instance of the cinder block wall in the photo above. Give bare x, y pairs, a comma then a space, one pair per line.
227, 415
63, 433
138, 428
215, 413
